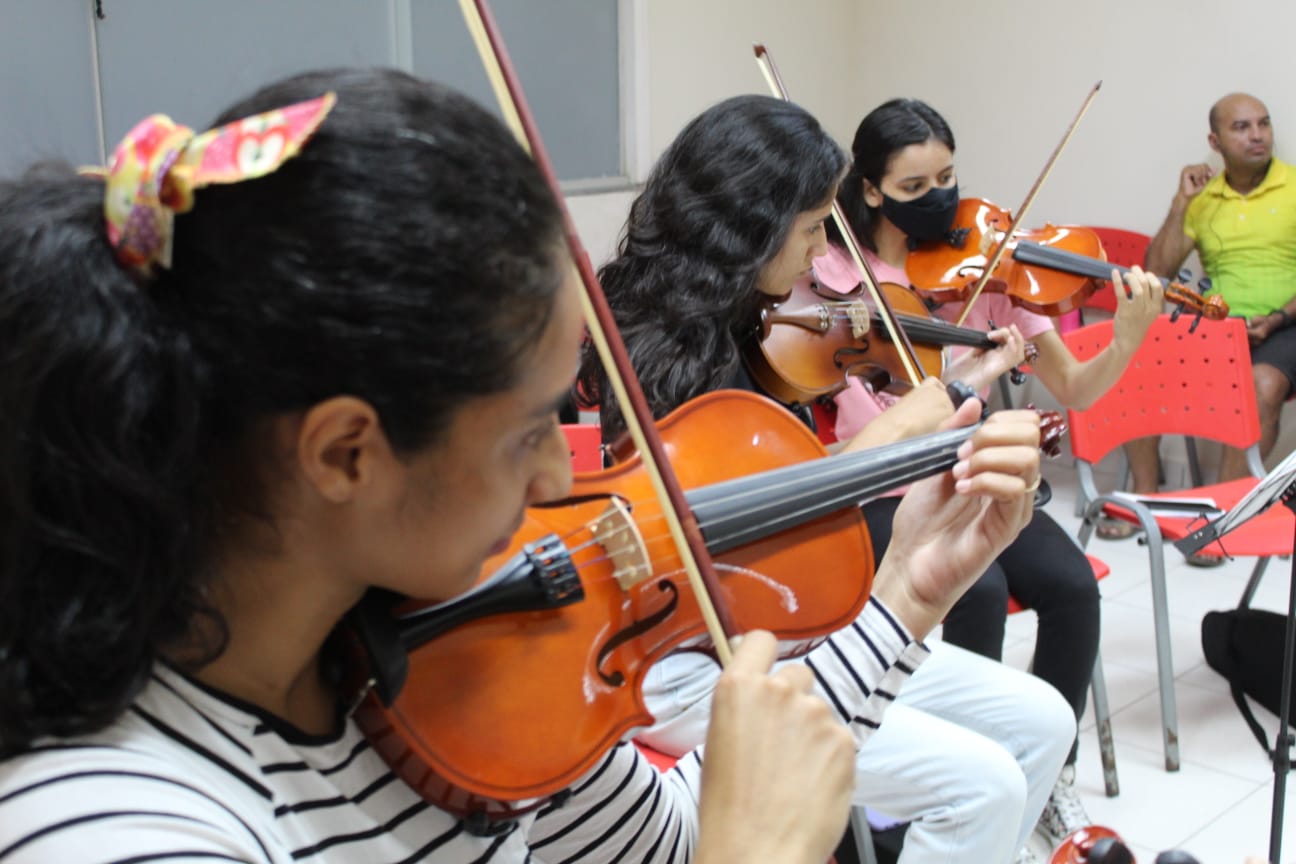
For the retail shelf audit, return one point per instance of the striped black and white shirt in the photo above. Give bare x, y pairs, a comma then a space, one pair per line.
190, 775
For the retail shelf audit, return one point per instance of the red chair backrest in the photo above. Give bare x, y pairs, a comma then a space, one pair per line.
584, 442
1177, 383
1125, 248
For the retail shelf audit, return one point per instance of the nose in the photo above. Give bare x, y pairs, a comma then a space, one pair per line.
819, 247
553, 476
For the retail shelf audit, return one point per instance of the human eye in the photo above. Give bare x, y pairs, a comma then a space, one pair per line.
539, 434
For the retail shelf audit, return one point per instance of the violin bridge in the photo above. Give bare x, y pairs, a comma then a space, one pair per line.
858, 314
988, 241
619, 536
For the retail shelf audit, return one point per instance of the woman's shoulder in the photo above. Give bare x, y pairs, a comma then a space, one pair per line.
135, 788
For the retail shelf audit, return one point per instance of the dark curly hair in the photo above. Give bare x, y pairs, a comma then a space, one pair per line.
717, 208
884, 131
408, 256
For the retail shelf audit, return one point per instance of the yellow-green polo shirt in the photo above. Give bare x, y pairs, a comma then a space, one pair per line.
1247, 243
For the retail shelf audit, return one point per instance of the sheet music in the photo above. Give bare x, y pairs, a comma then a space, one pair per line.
1267, 492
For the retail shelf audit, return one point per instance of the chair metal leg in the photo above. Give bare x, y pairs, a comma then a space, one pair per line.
1160, 616
1102, 718
863, 835
1165, 664
1194, 466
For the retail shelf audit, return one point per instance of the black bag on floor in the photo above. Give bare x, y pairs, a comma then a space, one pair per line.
1246, 647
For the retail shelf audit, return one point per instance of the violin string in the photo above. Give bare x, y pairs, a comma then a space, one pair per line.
833, 490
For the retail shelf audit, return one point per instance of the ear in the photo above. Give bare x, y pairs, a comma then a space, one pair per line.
872, 195
1213, 140
341, 447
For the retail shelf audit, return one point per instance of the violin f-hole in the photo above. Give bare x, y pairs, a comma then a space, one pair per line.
638, 628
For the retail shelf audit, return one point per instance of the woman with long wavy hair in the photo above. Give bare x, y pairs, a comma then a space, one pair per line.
735, 209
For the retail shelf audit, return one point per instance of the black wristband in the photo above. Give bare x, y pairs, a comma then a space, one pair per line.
1286, 319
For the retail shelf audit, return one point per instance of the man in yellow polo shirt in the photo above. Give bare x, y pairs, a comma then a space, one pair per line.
1242, 222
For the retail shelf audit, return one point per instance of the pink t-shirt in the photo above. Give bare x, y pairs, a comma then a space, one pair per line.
857, 405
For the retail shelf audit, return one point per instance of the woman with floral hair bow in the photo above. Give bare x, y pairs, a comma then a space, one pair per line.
265, 369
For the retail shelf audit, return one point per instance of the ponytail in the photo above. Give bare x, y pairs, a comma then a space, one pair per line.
97, 441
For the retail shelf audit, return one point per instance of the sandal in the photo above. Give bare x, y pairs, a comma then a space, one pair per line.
1116, 529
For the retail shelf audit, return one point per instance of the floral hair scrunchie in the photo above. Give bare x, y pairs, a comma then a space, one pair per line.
159, 164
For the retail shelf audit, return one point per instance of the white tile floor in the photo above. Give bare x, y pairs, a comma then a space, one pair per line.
1218, 805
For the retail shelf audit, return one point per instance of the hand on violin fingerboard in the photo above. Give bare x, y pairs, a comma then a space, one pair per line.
1140, 298
949, 528
780, 767
980, 367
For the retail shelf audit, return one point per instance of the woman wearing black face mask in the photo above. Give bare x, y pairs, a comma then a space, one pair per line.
902, 189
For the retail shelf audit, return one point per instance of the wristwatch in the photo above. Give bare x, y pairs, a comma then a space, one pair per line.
1286, 319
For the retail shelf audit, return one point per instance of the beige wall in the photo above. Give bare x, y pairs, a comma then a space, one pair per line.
700, 51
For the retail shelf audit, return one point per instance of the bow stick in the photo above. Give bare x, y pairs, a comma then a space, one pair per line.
607, 339
913, 368
994, 259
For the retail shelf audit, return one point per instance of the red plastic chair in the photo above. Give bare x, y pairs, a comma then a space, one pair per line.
1177, 383
585, 444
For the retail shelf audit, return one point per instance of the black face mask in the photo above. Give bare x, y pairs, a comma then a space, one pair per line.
925, 218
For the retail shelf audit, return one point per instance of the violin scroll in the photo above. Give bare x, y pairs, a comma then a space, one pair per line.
1052, 429
1212, 308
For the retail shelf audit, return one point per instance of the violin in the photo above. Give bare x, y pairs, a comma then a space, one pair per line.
811, 340
1092, 845
591, 595
1049, 271
946, 270
1098, 845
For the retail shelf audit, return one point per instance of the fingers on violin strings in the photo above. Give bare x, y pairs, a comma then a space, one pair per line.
1126, 282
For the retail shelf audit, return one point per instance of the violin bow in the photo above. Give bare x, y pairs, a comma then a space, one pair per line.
607, 340
913, 367
995, 258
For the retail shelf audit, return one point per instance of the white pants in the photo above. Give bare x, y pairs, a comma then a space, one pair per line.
968, 753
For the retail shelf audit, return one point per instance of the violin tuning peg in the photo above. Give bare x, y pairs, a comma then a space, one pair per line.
1183, 276
1175, 313
1204, 284
1192, 328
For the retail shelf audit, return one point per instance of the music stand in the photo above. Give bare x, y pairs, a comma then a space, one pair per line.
1278, 485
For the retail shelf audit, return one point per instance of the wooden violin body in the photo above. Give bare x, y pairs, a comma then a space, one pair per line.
813, 340
518, 706
1050, 271
458, 720
948, 269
